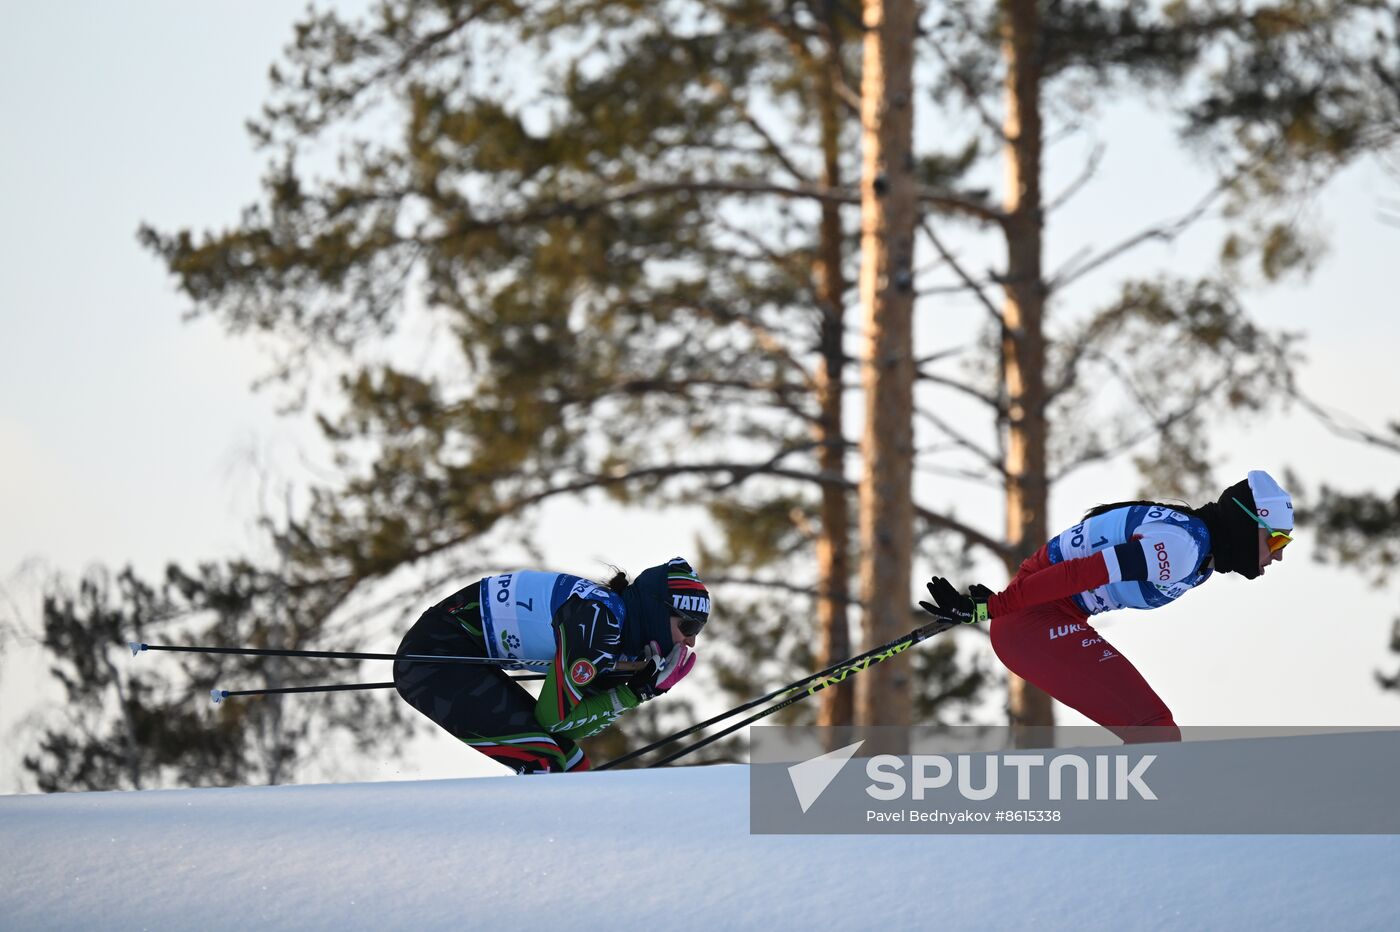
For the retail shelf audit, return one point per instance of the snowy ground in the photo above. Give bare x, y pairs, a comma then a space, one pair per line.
667, 849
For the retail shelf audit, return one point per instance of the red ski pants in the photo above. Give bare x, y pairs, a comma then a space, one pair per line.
1054, 647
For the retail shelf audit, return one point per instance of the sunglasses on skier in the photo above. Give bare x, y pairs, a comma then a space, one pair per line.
1277, 539
690, 623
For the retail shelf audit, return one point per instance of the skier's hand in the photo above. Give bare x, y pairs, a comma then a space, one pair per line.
953, 605
662, 672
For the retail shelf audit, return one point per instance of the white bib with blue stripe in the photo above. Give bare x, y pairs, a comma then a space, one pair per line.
517, 610
1175, 545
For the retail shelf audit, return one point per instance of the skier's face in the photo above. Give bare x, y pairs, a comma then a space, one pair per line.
1271, 541
676, 636
1266, 556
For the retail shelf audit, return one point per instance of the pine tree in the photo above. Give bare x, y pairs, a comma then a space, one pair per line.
888, 197
141, 723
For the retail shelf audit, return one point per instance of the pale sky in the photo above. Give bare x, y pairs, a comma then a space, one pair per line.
127, 435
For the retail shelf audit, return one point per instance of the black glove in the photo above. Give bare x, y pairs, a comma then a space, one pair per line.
954, 606
643, 682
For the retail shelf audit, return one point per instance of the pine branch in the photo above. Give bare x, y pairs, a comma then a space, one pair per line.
575, 207
967, 391
965, 475
969, 534
789, 263
962, 442
767, 340
967, 279
1333, 421
581, 206
331, 103
1160, 424
960, 205
1091, 168
1166, 232
737, 472
770, 144
971, 92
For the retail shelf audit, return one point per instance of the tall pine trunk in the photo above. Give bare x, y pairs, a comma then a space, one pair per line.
1023, 338
887, 367
833, 546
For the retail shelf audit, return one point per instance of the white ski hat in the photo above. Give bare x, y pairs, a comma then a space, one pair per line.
1273, 505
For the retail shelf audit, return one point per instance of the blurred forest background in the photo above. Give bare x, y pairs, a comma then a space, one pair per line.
779, 269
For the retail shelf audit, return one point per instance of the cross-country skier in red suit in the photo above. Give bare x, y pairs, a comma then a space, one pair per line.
1137, 554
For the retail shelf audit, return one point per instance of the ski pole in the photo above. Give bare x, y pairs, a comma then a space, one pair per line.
507, 663
939, 628
219, 695
829, 676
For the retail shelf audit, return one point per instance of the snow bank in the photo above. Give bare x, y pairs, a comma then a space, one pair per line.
656, 850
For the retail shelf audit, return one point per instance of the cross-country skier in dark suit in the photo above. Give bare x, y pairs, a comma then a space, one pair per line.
1127, 555
612, 647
